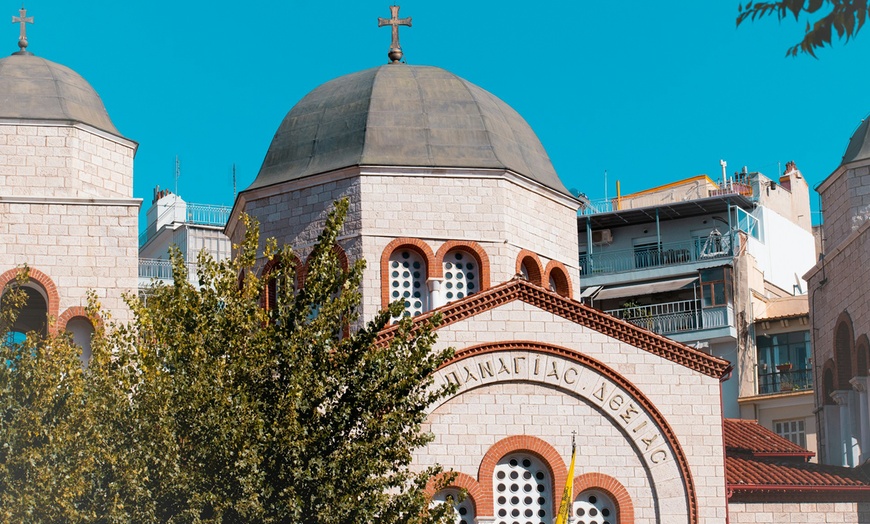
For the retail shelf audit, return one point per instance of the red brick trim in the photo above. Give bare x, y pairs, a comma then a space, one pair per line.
302, 272
51, 294
433, 270
559, 273
533, 265
73, 312
578, 313
460, 481
613, 488
584, 360
516, 444
474, 249
268, 297
844, 357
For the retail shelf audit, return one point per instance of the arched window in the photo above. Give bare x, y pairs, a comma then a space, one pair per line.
270, 272
828, 384
594, 507
557, 279
461, 272
862, 356
81, 330
33, 316
843, 352
464, 510
529, 266
407, 281
523, 490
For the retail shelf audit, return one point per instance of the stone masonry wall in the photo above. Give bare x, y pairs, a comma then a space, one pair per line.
845, 204
799, 512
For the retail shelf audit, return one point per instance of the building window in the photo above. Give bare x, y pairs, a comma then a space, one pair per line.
464, 510
594, 507
522, 488
714, 287
407, 281
792, 430
784, 362
461, 275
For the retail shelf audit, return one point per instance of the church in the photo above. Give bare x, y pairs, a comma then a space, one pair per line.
456, 208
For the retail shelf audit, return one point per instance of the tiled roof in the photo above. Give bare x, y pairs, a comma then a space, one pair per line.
770, 473
747, 436
520, 289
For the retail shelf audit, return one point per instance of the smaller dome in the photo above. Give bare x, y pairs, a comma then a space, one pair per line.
859, 144
33, 88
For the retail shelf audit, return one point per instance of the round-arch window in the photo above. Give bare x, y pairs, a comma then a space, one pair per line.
594, 507
522, 488
461, 275
81, 330
463, 511
408, 281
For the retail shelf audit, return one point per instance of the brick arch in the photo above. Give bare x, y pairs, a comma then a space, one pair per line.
844, 354
460, 481
862, 356
77, 311
559, 273
302, 272
828, 382
518, 444
613, 488
268, 299
679, 455
474, 249
433, 270
533, 265
51, 294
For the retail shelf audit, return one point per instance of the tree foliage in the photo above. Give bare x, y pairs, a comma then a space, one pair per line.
209, 408
843, 17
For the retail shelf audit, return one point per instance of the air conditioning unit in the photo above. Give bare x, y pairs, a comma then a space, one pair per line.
602, 237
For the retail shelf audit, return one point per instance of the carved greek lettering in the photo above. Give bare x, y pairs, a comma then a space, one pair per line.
629, 413
485, 369
573, 373
648, 441
468, 374
452, 378
658, 456
554, 372
600, 393
639, 427
537, 365
616, 402
503, 368
517, 362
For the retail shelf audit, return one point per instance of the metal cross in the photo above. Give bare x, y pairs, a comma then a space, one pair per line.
22, 19
395, 53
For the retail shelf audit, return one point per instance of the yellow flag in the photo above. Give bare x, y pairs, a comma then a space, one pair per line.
565, 505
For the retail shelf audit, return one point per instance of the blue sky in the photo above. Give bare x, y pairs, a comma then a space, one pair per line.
648, 91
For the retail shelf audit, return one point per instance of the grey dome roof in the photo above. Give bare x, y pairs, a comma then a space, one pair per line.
859, 144
401, 115
33, 88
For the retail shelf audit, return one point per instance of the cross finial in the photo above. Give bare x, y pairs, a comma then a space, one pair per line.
395, 53
22, 19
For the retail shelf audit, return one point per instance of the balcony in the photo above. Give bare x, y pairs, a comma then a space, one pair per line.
785, 381
153, 268
668, 254
671, 318
183, 212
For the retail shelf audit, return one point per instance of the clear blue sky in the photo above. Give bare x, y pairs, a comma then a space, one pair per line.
648, 91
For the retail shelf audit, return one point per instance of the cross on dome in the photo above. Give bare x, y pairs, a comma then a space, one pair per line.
394, 21
22, 19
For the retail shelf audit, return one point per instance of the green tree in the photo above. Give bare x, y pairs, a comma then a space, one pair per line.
845, 17
208, 408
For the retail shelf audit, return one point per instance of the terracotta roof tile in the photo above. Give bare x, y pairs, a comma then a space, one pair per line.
758, 472
747, 436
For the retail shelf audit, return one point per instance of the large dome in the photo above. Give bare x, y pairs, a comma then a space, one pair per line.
859, 144
33, 88
401, 115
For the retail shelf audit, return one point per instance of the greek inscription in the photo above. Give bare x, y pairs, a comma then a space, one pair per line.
517, 363
469, 375
485, 369
600, 393
658, 456
452, 378
616, 402
648, 441
554, 372
537, 366
639, 427
573, 373
629, 413
503, 368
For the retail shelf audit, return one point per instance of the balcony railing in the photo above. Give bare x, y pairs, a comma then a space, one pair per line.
208, 214
667, 255
160, 269
785, 381
675, 317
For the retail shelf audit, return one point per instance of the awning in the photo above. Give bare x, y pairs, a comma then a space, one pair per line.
650, 288
590, 291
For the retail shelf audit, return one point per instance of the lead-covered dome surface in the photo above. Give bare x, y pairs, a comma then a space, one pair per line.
33, 88
401, 115
859, 144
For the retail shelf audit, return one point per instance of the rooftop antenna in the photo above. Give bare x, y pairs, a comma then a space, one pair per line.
177, 172
235, 193
724, 165
605, 185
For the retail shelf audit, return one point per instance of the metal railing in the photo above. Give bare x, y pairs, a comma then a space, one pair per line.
675, 317
785, 381
208, 214
161, 269
631, 259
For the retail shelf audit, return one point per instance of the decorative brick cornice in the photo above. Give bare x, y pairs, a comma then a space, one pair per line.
515, 444
611, 486
460, 481
474, 249
667, 432
578, 313
560, 276
51, 294
533, 266
433, 270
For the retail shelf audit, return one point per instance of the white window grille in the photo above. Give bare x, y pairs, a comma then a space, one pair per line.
523, 491
464, 510
461, 275
594, 507
408, 281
